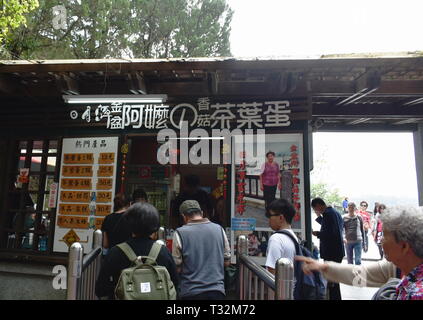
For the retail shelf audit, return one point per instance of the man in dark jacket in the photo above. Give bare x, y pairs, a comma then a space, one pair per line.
331, 239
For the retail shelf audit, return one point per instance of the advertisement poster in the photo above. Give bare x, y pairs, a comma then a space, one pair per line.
85, 191
249, 196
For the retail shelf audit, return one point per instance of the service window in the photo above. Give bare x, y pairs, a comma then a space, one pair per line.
27, 222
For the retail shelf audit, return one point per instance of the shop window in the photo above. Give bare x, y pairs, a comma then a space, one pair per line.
26, 221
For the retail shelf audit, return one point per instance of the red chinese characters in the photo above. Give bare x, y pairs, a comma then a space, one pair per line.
294, 164
241, 173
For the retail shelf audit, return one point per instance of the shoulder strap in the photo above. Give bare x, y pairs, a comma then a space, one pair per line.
127, 250
297, 245
154, 252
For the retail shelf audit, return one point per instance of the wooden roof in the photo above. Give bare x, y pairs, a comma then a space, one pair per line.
346, 92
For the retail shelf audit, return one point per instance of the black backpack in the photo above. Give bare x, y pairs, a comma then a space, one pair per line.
307, 287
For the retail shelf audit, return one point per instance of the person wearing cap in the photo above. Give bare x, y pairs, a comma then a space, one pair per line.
201, 252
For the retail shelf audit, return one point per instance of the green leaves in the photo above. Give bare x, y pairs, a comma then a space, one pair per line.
322, 190
12, 15
125, 28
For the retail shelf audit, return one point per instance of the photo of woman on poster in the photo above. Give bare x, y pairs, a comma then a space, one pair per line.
270, 178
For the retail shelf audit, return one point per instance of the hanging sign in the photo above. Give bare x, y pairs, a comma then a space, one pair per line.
53, 195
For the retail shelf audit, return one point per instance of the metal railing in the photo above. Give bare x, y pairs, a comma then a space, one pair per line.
83, 271
257, 283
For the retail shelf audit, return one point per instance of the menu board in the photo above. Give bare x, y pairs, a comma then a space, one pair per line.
86, 189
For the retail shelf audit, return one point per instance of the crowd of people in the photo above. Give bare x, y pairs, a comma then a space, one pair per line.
358, 224
398, 232
199, 254
200, 250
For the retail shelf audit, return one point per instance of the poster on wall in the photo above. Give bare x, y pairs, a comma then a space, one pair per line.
273, 172
85, 191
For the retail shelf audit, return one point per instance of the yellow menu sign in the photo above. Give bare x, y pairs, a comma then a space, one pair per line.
103, 209
84, 184
104, 197
74, 209
72, 222
106, 158
78, 158
75, 196
105, 171
77, 171
105, 184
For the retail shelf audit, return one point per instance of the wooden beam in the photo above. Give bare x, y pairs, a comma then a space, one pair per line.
366, 84
67, 84
8, 86
210, 65
136, 83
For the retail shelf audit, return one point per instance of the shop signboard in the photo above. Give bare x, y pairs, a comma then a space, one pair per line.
204, 113
249, 197
85, 189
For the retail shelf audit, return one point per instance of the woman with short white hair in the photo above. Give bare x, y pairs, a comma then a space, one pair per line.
403, 246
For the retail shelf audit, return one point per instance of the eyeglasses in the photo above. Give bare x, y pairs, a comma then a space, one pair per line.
364, 205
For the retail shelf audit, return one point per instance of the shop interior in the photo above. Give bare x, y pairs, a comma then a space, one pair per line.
164, 183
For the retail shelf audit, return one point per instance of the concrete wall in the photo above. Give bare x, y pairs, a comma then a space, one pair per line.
20, 281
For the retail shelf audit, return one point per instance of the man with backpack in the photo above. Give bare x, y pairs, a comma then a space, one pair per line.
121, 264
201, 252
285, 244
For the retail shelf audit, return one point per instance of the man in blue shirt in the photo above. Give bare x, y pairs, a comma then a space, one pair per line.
345, 205
331, 238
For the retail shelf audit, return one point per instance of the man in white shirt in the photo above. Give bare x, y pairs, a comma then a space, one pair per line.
280, 214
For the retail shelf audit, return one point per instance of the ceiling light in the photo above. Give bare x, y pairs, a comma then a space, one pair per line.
158, 98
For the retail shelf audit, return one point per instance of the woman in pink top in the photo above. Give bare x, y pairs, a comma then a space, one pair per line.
270, 178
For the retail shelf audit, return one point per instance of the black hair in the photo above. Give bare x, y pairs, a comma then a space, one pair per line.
282, 207
317, 201
139, 194
121, 201
364, 202
143, 219
192, 180
270, 152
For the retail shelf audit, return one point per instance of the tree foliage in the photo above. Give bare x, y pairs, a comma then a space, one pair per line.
126, 28
12, 16
322, 190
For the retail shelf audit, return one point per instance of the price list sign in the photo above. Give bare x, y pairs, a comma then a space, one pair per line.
86, 189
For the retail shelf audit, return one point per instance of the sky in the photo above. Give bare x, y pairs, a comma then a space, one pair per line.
268, 28
363, 166
367, 166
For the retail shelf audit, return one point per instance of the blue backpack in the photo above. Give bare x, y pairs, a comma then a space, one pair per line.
307, 287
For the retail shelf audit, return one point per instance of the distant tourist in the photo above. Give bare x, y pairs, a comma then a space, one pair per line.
345, 205
367, 219
378, 229
354, 234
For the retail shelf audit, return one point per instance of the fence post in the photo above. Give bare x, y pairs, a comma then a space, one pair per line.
284, 279
97, 239
76, 254
161, 236
242, 248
